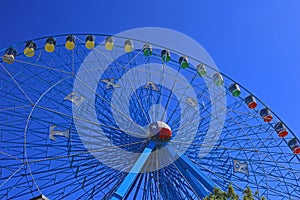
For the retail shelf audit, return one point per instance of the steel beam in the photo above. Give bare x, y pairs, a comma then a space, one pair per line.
197, 179
131, 177
198, 188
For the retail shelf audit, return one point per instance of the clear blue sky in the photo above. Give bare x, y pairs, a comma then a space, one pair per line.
257, 43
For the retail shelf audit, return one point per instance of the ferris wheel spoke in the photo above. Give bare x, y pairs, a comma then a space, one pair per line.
247, 134
176, 177
273, 160
177, 105
13, 79
169, 96
99, 178
72, 183
85, 120
134, 89
233, 124
125, 67
189, 120
43, 67
195, 122
112, 106
281, 166
15, 107
11, 156
242, 130
183, 177
11, 176
21, 101
259, 155
108, 176
121, 99
66, 58
189, 124
244, 114
83, 153
112, 182
73, 62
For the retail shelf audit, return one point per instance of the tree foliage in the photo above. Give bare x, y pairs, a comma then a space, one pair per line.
218, 194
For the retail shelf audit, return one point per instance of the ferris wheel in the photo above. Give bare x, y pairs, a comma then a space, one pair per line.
98, 116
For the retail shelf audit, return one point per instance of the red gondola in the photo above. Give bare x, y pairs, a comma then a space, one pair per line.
294, 145
281, 130
266, 115
251, 102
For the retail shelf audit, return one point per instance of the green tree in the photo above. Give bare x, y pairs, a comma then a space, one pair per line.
231, 193
248, 194
218, 194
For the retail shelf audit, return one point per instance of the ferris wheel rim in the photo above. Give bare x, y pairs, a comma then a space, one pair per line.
247, 91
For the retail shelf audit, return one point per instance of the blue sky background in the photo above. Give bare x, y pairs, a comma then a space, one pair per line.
257, 43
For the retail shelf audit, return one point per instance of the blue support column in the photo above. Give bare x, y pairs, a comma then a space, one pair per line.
198, 188
131, 177
197, 179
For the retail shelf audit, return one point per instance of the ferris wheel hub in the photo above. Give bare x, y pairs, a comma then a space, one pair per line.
159, 130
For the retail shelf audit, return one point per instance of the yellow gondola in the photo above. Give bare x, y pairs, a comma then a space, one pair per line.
29, 49
128, 46
10, 55
70, 42
50, 45
90, 42
109, 43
